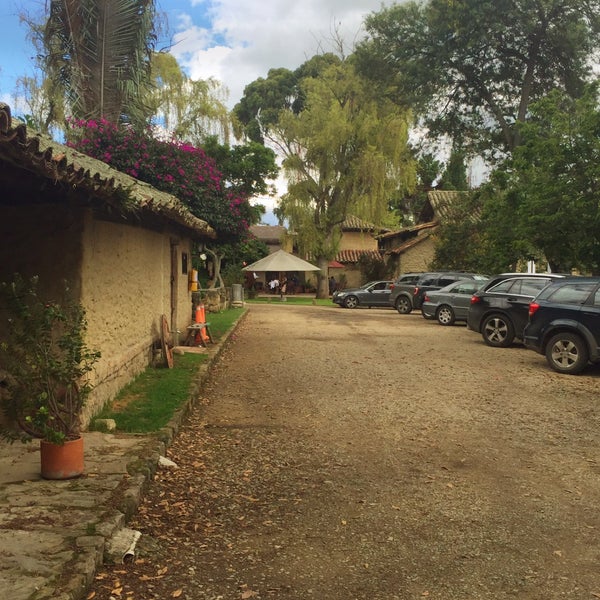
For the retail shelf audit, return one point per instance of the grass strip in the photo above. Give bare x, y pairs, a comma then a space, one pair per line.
147, 403
291, 300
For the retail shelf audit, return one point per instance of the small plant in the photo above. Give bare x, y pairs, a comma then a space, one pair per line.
45, 361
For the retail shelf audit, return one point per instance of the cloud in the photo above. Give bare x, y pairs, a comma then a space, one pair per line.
236, 41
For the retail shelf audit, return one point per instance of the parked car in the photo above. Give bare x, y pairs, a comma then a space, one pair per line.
564, 324
407, 296
374, 293
451, 303
499, 310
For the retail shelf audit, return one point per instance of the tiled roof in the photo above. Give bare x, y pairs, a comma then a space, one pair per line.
414, 241
352, 223
408, 230
61, 164
442, 202
353, 256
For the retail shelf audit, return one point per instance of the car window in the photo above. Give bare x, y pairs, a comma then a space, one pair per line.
429, 280
530, 287
446, 280
524, 286
382, 285
466, 288
597, 297
572, 294
503, 286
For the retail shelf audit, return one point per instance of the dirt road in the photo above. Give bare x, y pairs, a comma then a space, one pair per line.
366, 455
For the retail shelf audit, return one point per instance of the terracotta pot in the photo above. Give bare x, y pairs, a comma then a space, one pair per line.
62, 462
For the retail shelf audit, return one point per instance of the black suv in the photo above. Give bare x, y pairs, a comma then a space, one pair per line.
500, 309
564, 324
407, 296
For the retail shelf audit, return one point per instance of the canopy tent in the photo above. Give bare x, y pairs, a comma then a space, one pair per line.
280, 262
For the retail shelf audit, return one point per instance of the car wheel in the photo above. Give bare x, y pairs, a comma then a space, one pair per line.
498, 331
403, 305
351, 302
567, 353
445, 315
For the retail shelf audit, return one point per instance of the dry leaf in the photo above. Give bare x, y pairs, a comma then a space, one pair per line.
248, 594
177, 593
117, 591
90, 596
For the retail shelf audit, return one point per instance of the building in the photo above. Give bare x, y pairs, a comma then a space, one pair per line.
124, 247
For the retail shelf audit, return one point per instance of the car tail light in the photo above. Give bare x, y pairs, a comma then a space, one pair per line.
415, 291
392, 286
533, 306
475, 299
426, 298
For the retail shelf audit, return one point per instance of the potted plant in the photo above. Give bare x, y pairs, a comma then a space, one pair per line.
45, 363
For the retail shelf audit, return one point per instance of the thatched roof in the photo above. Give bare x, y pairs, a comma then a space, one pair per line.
95, 180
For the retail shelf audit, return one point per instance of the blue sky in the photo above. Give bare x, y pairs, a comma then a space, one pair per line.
233, 41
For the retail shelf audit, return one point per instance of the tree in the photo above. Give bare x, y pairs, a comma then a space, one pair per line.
98, 53
344, 151
472, 68
554, 178
246, 167
543, 202
188, 109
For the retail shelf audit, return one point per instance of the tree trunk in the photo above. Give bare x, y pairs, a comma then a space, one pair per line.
322, 281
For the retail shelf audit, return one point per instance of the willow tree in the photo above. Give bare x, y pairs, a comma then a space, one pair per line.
344, 152
98, 53
189, 109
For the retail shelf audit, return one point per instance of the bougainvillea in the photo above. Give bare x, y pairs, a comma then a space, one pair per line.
180, 169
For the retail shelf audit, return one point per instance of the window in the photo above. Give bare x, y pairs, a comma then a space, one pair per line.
572, 294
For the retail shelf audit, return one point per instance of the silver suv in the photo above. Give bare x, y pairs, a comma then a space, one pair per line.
407, 296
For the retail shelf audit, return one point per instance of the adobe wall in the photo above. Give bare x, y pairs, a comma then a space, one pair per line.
126, 273
418, 258
357, 240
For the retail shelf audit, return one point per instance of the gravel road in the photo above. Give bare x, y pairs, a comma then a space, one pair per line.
361, 454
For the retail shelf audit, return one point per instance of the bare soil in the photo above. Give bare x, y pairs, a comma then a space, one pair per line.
362, 454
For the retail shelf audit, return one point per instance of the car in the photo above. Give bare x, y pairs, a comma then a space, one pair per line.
499, 310
564, 324
400, 291
409, 295
374, 293
451, 303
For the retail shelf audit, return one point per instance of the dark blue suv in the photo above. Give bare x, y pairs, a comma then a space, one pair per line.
564, 324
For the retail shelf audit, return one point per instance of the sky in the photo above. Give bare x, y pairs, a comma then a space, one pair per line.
234, 41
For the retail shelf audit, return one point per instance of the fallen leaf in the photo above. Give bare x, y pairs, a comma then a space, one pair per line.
177, 593
90, 596
248, 594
